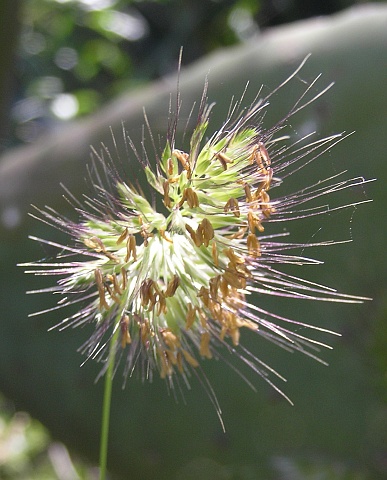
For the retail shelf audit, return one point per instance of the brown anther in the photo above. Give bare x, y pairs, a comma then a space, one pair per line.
215, 254
253, 245
204, 294
266, 207
145, 332
192, 232
191, 197
232, 205
264, 155
145, 234
113, 296
130, 248
123, 278
249, 197
101, 289
170, 166
199, 235
190, 359
125, 335
172, 286
96, 244
161, 305
224, 288
214, 286
184, 160
223, 159
146, 293
166, 199
205, 340
190, 316
260, 156
164, 235
116, 285
208, 231
123, 235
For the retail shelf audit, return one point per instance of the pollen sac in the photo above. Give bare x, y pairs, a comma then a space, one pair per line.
167, 200
101, 289
232, 205
125, 335
172, 286
253, 245
205, 340
260, 156
208, 231
190, 196
223, 159
184, 160
130, 248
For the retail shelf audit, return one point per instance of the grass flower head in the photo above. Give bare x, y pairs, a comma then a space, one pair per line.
175, 276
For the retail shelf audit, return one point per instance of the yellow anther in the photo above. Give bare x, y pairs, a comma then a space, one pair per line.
254, 222
205, 340
234, 279
95, 243
233, 257
164, 236
190, 316
249, 197
190, 359
253, 245
170, 339
125, 335
171, 357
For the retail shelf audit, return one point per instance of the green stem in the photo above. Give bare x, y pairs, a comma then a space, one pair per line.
106, 407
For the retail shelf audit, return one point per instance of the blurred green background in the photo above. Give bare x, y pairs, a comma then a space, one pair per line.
69, 71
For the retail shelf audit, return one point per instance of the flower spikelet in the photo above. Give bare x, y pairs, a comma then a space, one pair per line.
178, 274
